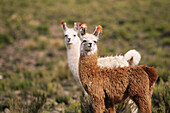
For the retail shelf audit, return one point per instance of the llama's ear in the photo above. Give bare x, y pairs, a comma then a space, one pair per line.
76, 26
83, 29
63, 25
97, 31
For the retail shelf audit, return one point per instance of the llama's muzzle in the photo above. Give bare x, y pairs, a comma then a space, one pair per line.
89, 45
69, 41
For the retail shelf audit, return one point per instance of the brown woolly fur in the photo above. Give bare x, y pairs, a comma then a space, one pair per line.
153, 76
110, 86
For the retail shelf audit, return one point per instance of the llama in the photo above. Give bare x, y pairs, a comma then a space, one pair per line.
72, 42
110, 86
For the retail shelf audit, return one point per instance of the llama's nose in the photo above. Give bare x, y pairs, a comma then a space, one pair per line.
68, 39
89, 44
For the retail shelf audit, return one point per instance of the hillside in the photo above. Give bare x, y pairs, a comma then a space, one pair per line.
34, 73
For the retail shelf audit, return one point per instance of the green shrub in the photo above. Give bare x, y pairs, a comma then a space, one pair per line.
86, 104
52, 88
42, 44
63, 99
31, 45
38, 102
26, 84
3, 86
73, 108
4, 104
16, 106
164, 73
5, 39
165, 41
62, 70
43, 29
160, 98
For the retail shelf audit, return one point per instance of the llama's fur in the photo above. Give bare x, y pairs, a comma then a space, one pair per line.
118, 61
133, 57
110, 86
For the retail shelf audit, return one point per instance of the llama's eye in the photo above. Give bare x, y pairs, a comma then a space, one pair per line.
84, 41
95, 41
66, 35
74, 35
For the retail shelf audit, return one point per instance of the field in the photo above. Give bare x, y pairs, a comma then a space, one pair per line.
34, 72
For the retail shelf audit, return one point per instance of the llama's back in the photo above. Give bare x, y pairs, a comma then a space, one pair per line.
112, 62
132, 57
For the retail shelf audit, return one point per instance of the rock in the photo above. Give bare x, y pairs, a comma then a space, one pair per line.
7, 110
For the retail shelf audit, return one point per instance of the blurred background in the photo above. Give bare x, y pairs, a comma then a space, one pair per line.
34, 73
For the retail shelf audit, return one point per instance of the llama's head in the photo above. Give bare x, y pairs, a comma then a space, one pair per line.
71, 34
89, 41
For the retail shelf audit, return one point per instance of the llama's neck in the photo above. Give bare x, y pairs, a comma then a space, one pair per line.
73, 54
87, 69
88, 62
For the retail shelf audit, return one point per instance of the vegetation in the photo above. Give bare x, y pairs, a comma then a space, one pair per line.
34, 73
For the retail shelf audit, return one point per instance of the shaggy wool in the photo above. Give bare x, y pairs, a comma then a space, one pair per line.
110, 86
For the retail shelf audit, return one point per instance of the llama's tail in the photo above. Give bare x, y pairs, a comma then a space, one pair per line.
153, 76
133, 57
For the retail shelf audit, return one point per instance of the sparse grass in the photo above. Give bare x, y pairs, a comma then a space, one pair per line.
161, 97
33, 54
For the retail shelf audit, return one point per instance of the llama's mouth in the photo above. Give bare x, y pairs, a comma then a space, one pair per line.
68, 43
88, 49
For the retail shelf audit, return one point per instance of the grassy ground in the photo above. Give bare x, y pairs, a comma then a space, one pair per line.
34, 73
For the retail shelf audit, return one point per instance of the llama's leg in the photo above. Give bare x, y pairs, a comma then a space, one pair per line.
143, 103
110, 108
98, 105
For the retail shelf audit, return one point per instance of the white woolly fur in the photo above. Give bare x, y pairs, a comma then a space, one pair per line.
136, 56
116, 61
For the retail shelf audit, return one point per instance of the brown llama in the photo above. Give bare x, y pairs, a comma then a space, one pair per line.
110, 86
